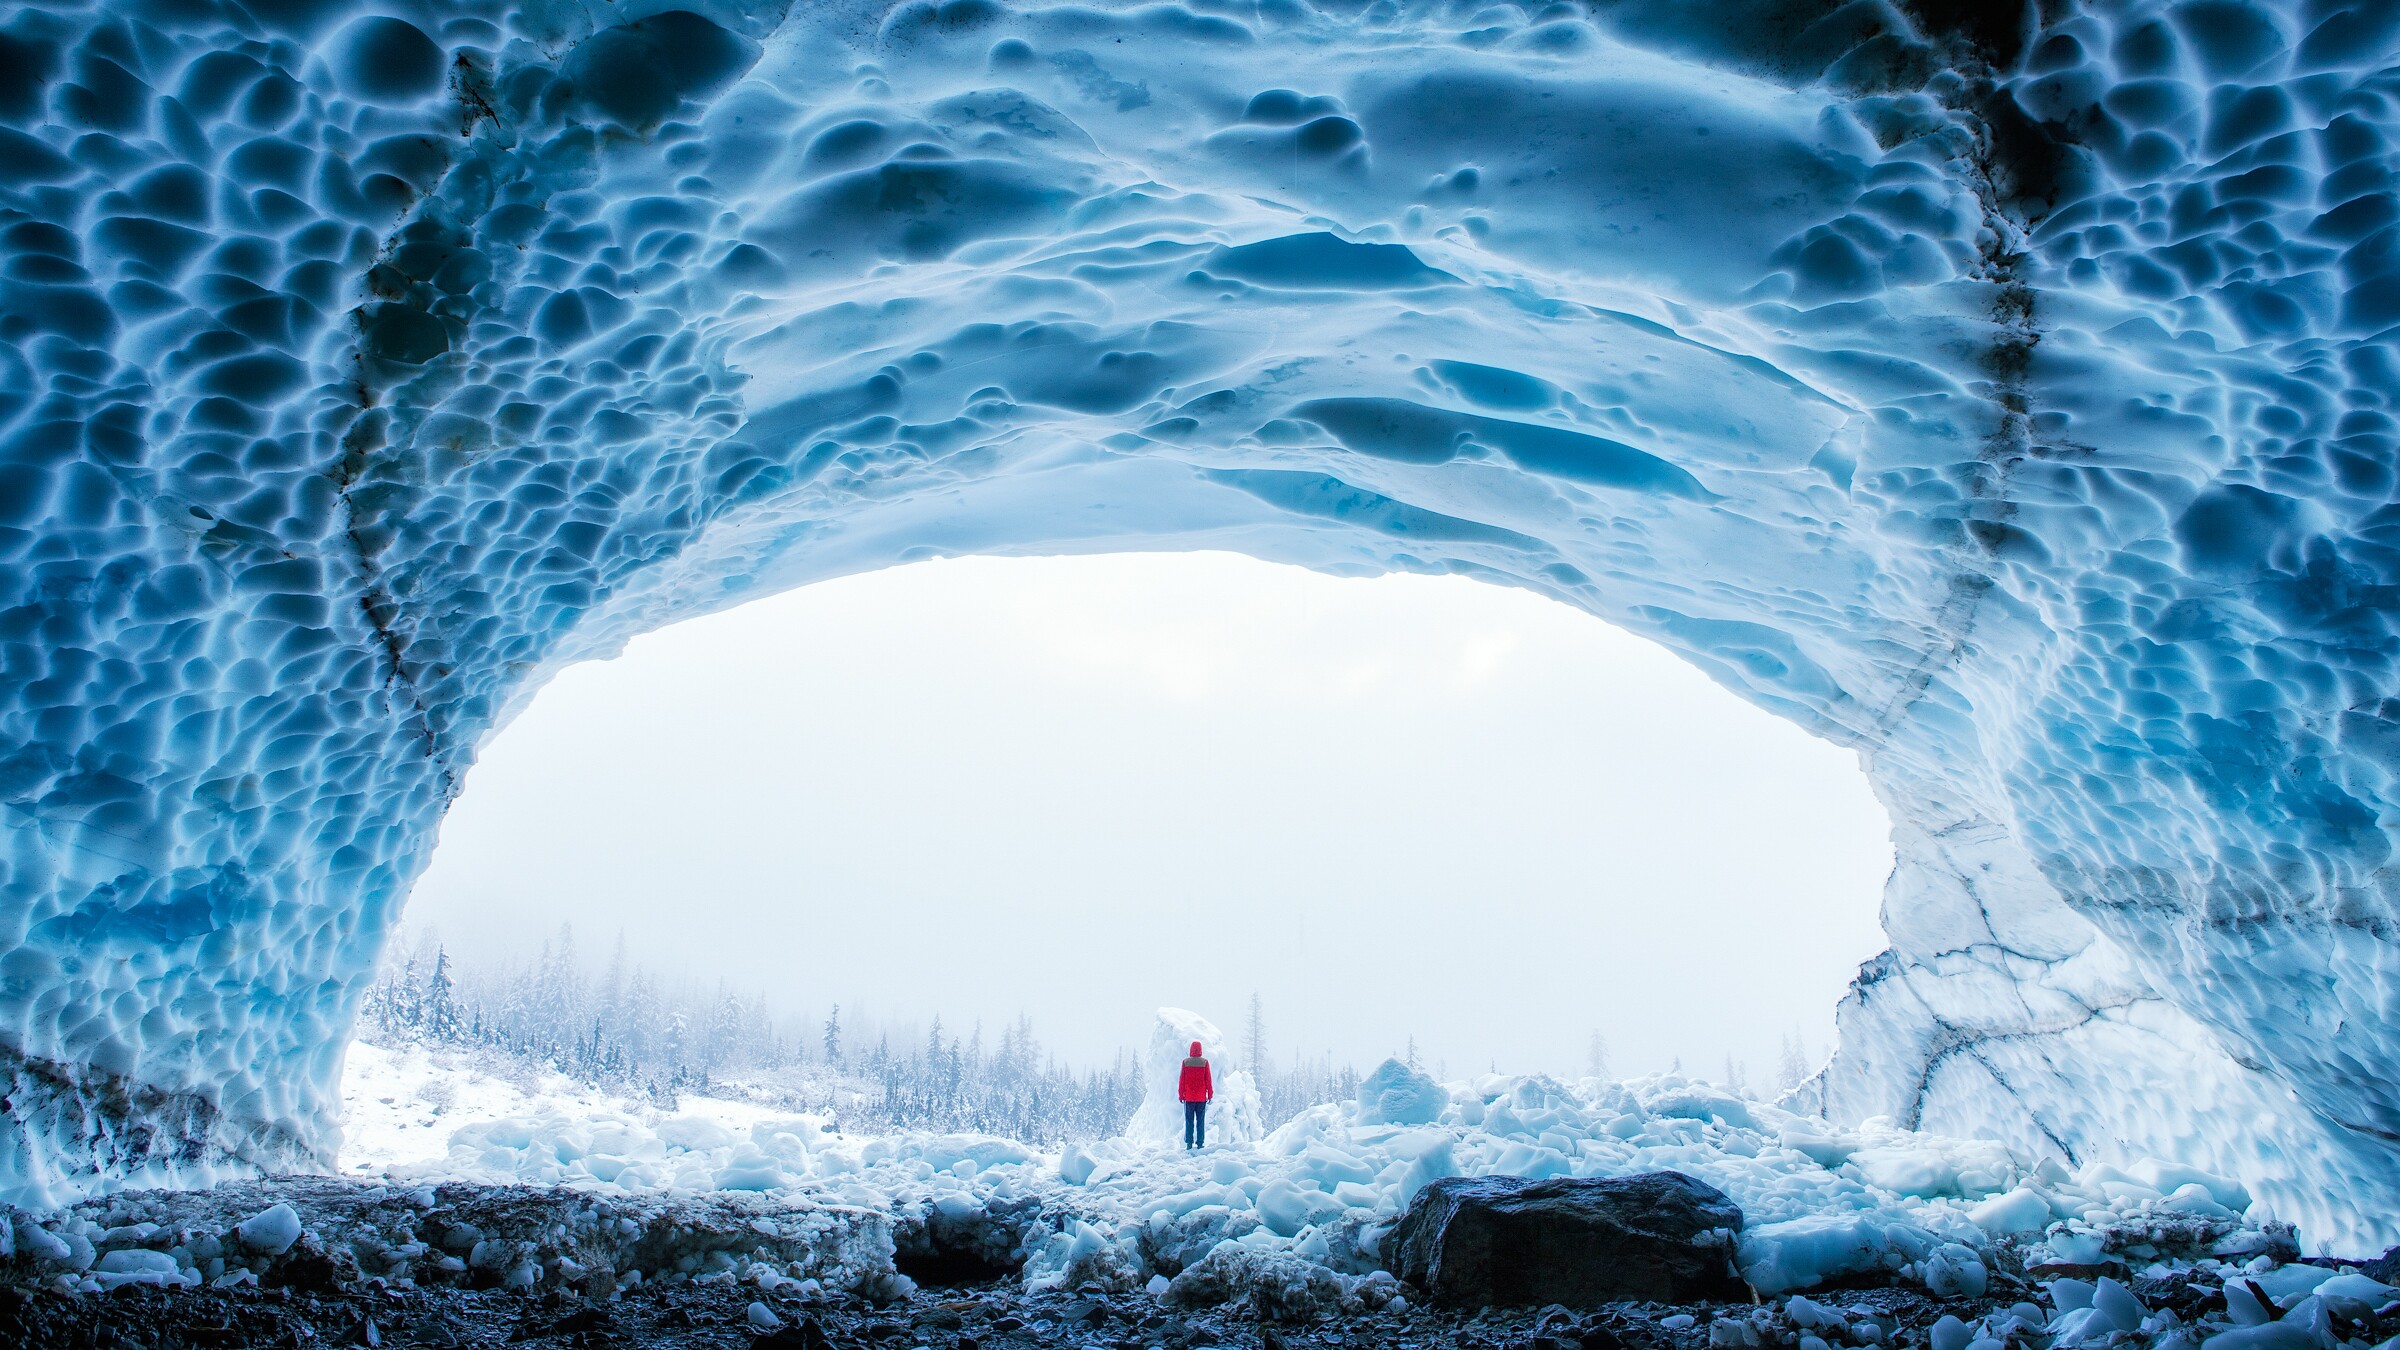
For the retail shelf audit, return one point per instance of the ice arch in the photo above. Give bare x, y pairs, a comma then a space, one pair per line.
2011, 401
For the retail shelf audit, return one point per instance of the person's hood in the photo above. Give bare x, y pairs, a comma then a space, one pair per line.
1195, 1049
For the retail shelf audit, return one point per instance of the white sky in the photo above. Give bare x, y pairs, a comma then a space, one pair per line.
1084, 787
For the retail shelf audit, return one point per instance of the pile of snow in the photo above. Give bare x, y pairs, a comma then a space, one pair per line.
1822, 1204
1285, 1227
1237, 1116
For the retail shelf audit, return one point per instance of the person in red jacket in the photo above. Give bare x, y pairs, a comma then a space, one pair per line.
1196, 1089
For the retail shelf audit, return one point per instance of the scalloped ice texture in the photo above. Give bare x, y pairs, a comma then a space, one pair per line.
2008, 399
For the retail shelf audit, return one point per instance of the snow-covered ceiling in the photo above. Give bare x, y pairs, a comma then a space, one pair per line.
2008, 398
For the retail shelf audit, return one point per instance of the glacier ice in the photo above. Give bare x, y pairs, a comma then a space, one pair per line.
1395, 1094
2003, 391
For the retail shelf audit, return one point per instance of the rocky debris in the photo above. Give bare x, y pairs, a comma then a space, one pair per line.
1575, 1241
1275, 1286
320, 1261
323, 1233
2176, 1311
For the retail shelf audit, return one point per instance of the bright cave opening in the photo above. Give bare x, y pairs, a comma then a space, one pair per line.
1021, 803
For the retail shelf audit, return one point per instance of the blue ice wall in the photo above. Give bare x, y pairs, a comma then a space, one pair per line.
2008, 398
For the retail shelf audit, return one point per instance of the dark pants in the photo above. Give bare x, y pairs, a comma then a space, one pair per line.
1195, 1124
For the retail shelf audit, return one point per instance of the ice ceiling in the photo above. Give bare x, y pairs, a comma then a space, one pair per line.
2008, 398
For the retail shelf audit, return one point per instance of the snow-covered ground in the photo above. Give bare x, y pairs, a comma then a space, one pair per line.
1987, 1250
1821, 1203
402, 1104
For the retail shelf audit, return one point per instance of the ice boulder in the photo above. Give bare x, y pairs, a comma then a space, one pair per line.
1395, 1094
1954, 1270
272, 1231
1814, 1249
2023, 1210
135, 1266
1082, 1256
1286, 1208
1272, 1285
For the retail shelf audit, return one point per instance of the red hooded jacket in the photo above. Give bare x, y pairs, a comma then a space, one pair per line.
1195, 1085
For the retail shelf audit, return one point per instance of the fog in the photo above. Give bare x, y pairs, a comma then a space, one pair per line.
1395, 808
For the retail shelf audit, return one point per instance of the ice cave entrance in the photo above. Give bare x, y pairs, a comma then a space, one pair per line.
1400, 809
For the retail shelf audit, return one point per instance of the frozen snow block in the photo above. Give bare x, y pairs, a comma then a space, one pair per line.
1327, 1166
1825, 1148
1803, 1253
945, 1152
1578, 1241
1395, 1094
2023, 1210
1277, 1286
2167, 1178
1286, 1208
1927, 1166
272, 1231
1955, 1271
1171, 1244
750, 1169
697, 1134
2285, 1335
1699, 1101
2291, 1281
133, 1261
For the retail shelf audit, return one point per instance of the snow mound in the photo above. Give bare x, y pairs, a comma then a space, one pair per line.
2009, 400
1237, 1116
1395, 1094
1822, 1205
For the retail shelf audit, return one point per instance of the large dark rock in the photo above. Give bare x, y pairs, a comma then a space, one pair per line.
1580, 1241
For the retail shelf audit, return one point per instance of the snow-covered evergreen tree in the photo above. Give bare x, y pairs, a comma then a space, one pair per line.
1791, 1068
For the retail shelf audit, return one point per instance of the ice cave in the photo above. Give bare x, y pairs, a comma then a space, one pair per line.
2005, 391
